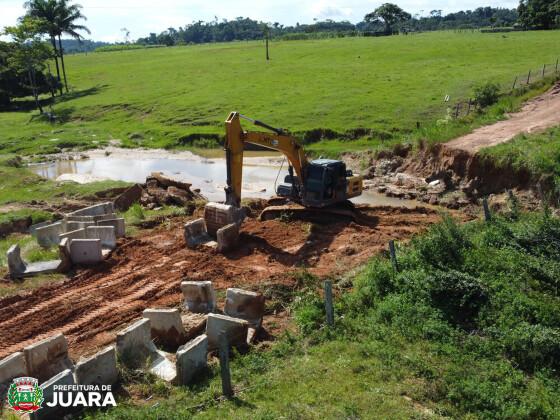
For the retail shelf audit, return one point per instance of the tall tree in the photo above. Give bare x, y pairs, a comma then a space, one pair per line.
543, 14
66, 17
388, 14
46, 11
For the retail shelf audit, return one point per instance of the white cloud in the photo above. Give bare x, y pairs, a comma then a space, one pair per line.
330, 10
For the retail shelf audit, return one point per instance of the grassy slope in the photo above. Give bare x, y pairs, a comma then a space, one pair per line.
384, 83
469, 328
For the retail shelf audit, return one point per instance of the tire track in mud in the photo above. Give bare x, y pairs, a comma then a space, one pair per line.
146, 272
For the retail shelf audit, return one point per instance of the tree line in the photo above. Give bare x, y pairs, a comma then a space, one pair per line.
386, 19
35, 42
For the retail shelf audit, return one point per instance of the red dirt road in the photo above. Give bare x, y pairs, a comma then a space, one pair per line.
146, 272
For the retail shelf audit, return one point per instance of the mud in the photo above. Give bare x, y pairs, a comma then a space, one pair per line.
146, 272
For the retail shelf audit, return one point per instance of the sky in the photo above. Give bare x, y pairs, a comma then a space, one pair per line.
107, 18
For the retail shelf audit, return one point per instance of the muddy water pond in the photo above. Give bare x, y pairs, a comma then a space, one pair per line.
260, 173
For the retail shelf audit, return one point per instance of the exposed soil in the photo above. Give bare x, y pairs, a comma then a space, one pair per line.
146, 272
536, 115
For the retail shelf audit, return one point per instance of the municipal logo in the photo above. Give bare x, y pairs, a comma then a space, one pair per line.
25, 395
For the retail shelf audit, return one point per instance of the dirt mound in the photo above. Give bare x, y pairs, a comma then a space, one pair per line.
146, 272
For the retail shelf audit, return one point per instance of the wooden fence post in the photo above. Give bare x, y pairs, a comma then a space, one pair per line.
514, 82
529, 77
393, 254
224, 366
487, 214
556, 65
543, 70
329, 309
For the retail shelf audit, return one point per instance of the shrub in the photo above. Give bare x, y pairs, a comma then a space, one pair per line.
486, 94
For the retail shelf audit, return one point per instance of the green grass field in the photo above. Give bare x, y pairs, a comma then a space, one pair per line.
170, 97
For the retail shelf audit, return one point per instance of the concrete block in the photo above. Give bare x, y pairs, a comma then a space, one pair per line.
33, 228
217, 215
47, 358
107, 216
227, 237
73, 234
235, 328
246, 305
48, 235
191, 359
195, 233
86, 251
16, 266
95, 210
163, 367
106, 234
166, 327
57, 412
12, 367
199, 296
65, 258
79, 218
19, 268
134, 343
118, 224
71, 226
99, 369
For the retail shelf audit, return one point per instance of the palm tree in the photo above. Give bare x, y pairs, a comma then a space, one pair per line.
66, 16
46, 10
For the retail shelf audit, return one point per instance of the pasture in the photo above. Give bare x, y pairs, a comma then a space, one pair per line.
178, 97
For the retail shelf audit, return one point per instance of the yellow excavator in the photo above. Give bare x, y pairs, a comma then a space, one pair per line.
317, 187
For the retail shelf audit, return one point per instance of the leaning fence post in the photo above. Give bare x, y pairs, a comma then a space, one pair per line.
329, 309
514, 82
529, 77
393, 254
487, 215
556, 65
224, 366
543, 69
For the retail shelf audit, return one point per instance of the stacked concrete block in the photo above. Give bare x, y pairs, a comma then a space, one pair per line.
106, 234
86, 251
47, 236
236, 330
95, 210
33, 228
218, 215
57, 412
227, 237
166, 327
20, 269
71, 226
246, 305
73, 234
47, 358
117, 223
191, 359
99, 369
199, 296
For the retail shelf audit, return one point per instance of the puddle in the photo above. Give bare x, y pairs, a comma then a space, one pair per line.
260, 173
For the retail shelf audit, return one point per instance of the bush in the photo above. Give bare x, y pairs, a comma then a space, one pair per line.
486, 94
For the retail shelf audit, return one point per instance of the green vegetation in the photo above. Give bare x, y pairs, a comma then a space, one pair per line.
468, 328
370, 90
537, 154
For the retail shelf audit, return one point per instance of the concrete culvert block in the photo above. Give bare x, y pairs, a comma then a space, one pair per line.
191, 359
166, 327
47, 358
246, 305
73, 234
16, 266
57, 412
95, 210
236, 330
199, 296
134, 343
118, 224
86, 251
195, 233
106, 234
48, 235
12, 367
227, 237
71, 226
218, 215
99, 369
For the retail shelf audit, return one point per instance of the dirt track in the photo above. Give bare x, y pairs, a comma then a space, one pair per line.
146, 272
536, 115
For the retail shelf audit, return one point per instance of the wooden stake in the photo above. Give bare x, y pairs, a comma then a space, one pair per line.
487, 214
329, 309
224, 366
393, 253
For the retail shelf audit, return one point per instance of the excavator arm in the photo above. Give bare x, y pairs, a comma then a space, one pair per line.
236, 138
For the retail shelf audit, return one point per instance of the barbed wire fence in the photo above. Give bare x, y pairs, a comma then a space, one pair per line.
464, 107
